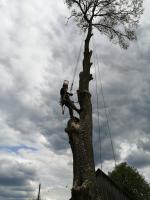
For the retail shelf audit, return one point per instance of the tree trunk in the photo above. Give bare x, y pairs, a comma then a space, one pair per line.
80, 136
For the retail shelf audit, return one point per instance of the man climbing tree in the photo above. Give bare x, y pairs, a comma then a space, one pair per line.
65, 99
118, 20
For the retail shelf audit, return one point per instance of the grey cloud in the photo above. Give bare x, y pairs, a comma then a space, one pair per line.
15, 177
144, 145
139, 159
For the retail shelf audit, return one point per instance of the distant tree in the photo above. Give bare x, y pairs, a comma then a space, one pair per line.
118, 20
133, 183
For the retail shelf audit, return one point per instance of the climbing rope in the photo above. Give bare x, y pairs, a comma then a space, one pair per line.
98, 113
104, 104
77, 63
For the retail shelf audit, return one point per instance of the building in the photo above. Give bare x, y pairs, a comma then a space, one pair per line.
108, 189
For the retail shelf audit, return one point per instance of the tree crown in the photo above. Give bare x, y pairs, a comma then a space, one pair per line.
117, 19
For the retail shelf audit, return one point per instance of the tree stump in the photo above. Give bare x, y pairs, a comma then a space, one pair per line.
81, 190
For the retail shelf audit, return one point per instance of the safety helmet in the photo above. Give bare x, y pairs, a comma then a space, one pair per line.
66, 82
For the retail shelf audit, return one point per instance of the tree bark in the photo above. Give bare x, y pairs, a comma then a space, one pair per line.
80, 136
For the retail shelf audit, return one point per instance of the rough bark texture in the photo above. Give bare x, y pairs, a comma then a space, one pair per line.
80, 136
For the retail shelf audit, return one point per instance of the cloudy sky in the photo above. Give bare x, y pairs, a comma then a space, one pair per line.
38, 51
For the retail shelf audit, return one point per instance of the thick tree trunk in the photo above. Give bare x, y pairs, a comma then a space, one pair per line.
80, 136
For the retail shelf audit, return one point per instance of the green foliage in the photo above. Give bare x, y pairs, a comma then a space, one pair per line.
117, 19
129, 179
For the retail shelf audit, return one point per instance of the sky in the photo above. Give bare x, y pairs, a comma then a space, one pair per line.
39, 50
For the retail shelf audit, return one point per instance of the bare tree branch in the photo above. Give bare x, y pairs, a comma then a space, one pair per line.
118, 15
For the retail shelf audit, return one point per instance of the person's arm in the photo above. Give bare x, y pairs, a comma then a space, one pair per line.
70, 94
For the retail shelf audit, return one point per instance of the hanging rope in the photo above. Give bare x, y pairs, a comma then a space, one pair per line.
97, 102
104, 102
77, 63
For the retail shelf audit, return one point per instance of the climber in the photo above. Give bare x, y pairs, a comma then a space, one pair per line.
65, 99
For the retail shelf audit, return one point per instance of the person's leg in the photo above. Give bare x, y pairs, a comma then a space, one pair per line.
73, 106
70, 109
70, 112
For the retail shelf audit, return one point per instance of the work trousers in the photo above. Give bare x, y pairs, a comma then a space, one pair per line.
70, 105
